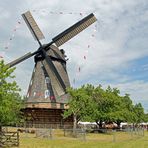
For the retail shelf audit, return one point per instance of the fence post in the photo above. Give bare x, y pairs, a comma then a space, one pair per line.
143, 132
18, 141
84, 134
51, 133
131, 130
64, 132
114, 136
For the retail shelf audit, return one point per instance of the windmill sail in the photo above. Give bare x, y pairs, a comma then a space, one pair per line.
74, 30
21, 59
53, 69
32, 25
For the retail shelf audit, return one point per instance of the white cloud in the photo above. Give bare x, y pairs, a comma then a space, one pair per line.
137, 90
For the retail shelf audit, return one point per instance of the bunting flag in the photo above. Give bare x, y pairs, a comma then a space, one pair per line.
79, 69
52, 97
59, 12
7, 45
81, 14
92, 35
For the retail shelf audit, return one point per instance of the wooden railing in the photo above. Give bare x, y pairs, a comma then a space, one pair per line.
9, 139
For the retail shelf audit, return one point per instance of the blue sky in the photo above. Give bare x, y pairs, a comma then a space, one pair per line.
116, 47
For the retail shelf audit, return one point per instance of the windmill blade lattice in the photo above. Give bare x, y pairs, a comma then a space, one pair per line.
33, 27
74, 30
21, 59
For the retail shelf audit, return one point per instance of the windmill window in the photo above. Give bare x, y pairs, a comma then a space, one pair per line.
34, 94
47, 80
47, 94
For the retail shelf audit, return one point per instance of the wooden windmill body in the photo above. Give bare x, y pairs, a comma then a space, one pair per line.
46, 97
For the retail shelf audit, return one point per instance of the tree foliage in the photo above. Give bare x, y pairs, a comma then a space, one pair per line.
90, 103
10, 100
80, 105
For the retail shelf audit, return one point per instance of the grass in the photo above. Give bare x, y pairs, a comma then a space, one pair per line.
119, 140
67, 143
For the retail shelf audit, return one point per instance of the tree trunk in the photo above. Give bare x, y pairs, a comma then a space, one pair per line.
74, 125
97, 123
133, 126
0, 127
75, 122
118, 124
100, 124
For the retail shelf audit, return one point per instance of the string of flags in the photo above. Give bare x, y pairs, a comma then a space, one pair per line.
88, 47
59, 12
7, 44
17, 26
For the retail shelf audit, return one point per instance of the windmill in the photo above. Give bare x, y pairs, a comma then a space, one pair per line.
47, 97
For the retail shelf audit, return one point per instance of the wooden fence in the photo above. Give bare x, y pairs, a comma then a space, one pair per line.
9, 139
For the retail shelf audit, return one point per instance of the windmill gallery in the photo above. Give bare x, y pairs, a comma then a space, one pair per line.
47, 97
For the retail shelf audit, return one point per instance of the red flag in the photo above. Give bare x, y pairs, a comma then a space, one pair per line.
79, 69
52, 97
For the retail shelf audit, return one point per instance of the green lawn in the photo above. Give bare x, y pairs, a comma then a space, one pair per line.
122, 140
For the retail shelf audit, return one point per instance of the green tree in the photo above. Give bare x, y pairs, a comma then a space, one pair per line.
146, 117
111, 106
10, 100
138, 113
124, 112
112, 102
90, 103
81, 106
108, 102
98, 96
